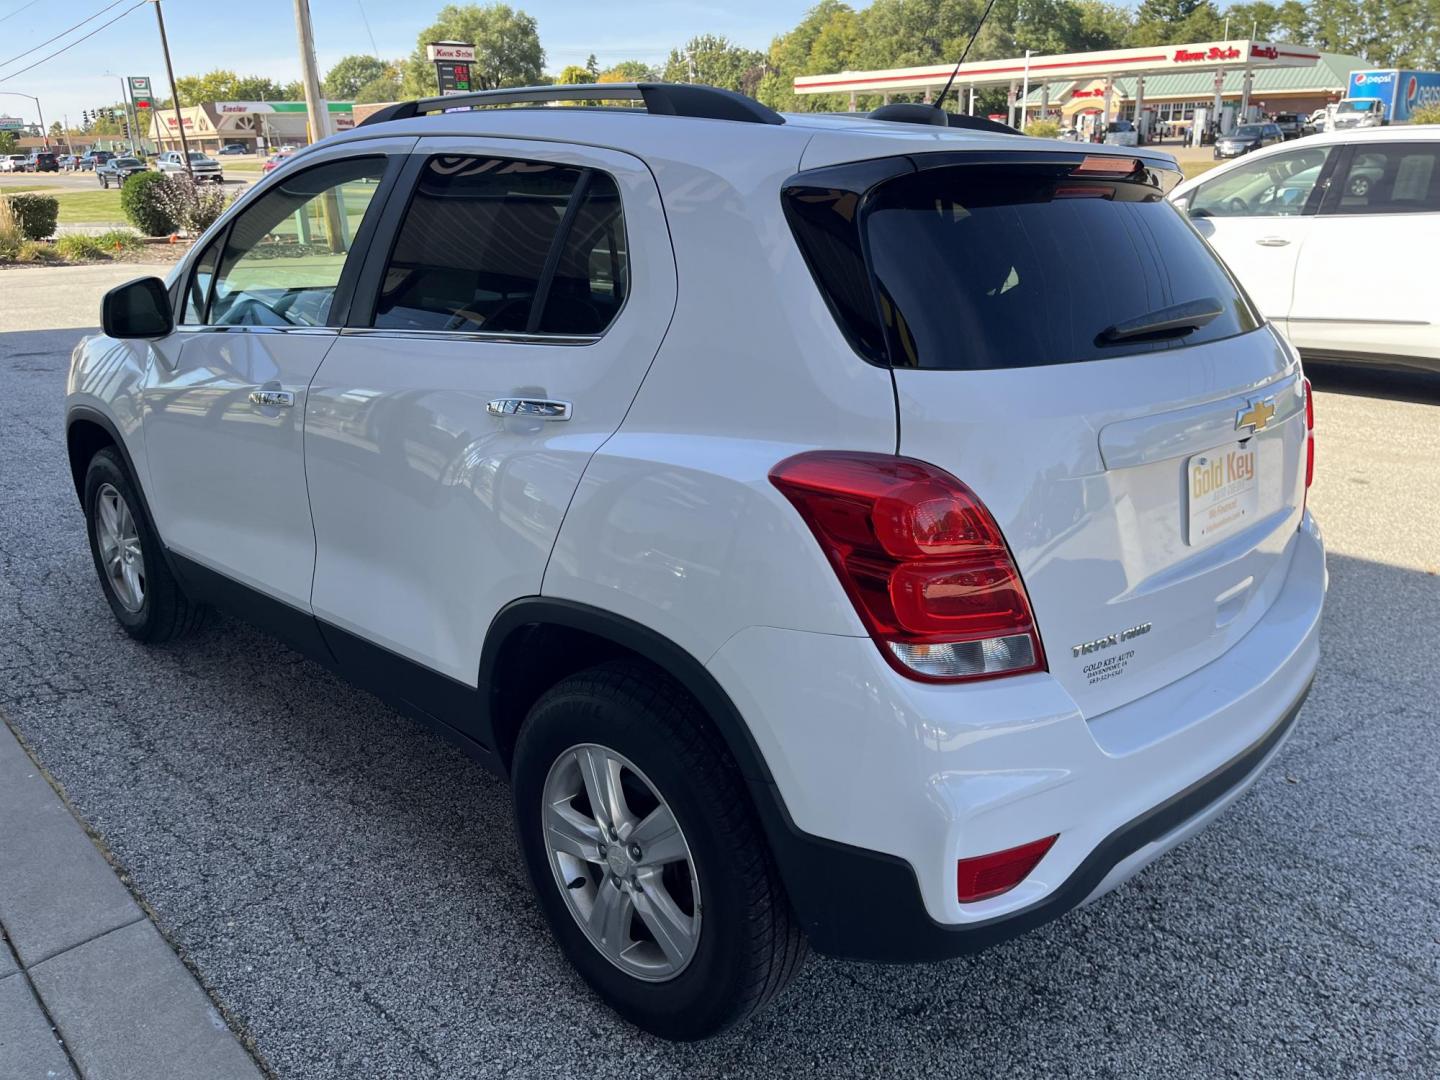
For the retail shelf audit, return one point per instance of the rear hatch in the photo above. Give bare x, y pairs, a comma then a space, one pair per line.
1065, 344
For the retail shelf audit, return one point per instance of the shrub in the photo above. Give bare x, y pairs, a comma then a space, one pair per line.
10, 235
77, 247
120, 241
36, 214
1042, 129
193, 206
32, 251
1426, 114
141, 201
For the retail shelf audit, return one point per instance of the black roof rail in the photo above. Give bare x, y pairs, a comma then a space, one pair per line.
660, 99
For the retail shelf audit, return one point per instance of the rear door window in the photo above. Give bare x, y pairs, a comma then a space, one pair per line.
497, 245
992, 267
1387, 178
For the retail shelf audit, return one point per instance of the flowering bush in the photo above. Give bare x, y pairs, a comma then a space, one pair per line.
194, 207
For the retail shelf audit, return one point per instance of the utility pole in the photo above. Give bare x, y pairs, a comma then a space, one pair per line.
314, 103
69, 146
174, 93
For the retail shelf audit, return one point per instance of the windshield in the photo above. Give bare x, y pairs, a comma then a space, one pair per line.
197, 157
978, 268
1122, 125
1247, 131
1356, 106
126, 161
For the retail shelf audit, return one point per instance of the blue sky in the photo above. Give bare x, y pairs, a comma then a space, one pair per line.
258, 37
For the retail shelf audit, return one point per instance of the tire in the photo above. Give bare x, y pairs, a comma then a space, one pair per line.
746, 947
162, 611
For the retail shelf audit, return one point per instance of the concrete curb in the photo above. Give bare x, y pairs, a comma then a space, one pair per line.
88, 987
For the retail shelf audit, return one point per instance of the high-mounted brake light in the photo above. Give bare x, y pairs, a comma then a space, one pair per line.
1105, 165
922, 560
990, 875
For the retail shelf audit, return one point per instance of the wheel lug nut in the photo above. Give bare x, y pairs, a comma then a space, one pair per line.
603, 851
635, 851
613, 834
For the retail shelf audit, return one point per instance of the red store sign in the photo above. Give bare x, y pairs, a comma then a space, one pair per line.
1215, 52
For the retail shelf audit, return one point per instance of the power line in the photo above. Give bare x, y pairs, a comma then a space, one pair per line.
62, 33
19, 9
77, 41
375, 49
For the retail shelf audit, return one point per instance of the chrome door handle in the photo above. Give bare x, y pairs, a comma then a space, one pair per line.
535, 408
1273, 241
282, 398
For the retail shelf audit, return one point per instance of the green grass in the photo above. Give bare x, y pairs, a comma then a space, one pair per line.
239, 166
1189, 168
100, 206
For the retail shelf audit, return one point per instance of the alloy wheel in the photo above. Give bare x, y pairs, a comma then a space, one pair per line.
620, 859
118, 538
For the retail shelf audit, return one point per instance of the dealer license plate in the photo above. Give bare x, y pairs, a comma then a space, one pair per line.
1222, 493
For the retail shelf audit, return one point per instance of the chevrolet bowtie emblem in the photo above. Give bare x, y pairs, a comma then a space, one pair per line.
1256, 416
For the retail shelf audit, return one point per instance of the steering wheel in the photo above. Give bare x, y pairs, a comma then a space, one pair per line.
1237, 205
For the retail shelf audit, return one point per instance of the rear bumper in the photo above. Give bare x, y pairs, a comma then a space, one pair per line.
880, 784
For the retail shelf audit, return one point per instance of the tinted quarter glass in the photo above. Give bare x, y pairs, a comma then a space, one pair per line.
997, 267
1389, 178
826, 224
285, 253
478, 251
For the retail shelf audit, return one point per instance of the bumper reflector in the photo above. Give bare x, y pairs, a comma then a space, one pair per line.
984, 876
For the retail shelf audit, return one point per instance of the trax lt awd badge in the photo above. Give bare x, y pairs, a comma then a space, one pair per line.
1256, 414
1109, 641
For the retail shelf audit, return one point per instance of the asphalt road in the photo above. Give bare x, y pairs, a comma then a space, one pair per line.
349, 887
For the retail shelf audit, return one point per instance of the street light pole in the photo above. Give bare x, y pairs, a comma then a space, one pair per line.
43, 133
132, 118
174, 93
314, 103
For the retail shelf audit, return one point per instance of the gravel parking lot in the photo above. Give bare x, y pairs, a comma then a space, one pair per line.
349, 889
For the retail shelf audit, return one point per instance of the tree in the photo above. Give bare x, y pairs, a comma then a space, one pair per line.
827, 39
592, 67
57, 130
1099, 25
8, 142
628, 71
507, 47
350, 73
384, 87
714, 60
224, 85
1166, 22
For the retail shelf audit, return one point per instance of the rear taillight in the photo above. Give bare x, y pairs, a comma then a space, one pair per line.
1309, 436
990, 875
922, 560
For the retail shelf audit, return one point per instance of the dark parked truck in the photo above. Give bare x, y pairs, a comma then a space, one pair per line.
1385, 96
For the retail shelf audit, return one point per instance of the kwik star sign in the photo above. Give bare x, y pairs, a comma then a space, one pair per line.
1211, 55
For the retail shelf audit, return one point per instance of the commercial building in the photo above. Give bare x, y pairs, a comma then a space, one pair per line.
1142, 83
1172, 98
256, 125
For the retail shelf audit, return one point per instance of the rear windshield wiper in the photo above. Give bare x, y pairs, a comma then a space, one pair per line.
1172, 321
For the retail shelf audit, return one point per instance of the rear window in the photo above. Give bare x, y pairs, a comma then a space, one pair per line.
1004, 267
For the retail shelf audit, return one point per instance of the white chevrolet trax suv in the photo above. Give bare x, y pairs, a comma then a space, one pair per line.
864, 534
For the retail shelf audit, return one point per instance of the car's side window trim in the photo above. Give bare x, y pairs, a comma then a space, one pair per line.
1329, 203
391, 220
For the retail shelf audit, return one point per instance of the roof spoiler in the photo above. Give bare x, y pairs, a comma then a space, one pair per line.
659, 99
909, 112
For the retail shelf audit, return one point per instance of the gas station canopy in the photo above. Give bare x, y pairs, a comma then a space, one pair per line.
1216, 56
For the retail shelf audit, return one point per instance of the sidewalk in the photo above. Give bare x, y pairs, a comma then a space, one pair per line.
88, 987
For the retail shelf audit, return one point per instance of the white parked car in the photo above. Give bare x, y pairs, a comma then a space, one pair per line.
204, 168
13, 162
839, 531
1334, 236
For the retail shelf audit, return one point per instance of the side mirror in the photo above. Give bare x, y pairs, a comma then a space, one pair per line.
137, 309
